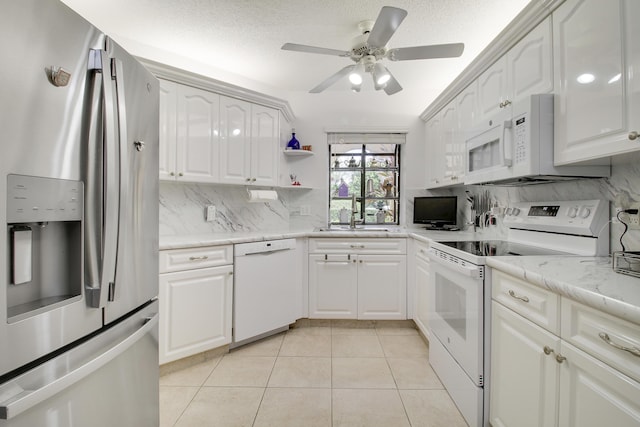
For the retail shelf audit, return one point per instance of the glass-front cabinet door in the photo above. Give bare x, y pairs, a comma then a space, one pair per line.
364, 182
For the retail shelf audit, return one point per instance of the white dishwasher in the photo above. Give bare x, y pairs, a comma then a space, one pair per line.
265, 291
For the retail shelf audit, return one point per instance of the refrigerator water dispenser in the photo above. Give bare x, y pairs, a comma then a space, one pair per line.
44, 222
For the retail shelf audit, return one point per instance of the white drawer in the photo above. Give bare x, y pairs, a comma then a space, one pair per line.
192, 258
358, 245
421, 249
539, 305
582, 326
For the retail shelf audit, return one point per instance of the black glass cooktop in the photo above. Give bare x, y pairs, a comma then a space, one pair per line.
499, 248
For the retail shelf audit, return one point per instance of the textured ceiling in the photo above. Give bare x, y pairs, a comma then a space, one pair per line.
242, 39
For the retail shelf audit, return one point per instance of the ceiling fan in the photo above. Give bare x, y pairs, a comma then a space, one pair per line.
370, 48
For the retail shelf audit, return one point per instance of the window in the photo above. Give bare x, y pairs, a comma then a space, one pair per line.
371, 172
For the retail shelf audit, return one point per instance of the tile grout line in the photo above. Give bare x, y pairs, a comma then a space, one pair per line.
264, 391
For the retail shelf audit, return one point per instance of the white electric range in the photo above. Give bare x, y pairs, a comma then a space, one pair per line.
460, 289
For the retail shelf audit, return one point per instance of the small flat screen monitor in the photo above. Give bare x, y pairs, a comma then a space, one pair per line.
438, 212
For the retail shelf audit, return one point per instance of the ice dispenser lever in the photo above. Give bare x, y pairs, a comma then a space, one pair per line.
22, 242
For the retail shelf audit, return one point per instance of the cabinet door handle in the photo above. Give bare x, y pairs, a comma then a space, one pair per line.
547, 350
633, 135
198, 258
513, 295
633, 350
180, 174
172, 174
560, 358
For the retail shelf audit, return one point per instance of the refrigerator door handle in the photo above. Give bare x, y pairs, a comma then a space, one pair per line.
93, 213
22, 400
103, 236
121, 116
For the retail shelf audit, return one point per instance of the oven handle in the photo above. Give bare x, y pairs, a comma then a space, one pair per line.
469, 270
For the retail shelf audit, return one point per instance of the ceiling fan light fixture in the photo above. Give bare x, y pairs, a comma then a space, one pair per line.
378, 86
355, 76
380, 75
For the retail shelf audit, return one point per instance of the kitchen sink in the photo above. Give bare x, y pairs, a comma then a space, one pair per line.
344, 228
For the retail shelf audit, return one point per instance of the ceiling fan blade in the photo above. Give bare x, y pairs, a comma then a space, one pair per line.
331, 80
392, 85
452, 50
312, 49
386, 24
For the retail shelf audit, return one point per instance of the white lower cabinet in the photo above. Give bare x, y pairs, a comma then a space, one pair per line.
523, 378
421, 272
540, 379
382, 287
195, 302
333, 287
355, 284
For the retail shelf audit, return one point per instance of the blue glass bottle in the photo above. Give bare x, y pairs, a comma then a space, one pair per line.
293, 144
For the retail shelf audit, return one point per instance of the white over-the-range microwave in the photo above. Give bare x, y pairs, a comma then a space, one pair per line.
516, 147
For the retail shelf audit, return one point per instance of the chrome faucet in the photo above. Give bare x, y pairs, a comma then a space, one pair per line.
354, 211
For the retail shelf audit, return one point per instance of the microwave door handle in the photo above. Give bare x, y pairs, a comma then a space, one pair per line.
506, 161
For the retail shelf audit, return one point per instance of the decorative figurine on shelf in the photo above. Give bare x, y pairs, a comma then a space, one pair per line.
388, 188
352, 163
380, 215
293, 144
343, 190
294, 179
336, 164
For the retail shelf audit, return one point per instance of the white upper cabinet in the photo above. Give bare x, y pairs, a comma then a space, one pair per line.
168, 115
492, 90
206, 137
189, 121
596, 51
197, 131
249, 143
434, 151
526, 69
265, 137
235, 140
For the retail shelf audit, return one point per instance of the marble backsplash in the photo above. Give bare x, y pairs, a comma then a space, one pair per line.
182, 205
182, 210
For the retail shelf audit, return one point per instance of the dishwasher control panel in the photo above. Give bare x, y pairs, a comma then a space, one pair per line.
264, 247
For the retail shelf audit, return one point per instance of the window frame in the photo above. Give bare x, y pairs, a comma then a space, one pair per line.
360, 153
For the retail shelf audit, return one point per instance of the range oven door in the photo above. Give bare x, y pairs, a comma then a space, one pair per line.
455, 304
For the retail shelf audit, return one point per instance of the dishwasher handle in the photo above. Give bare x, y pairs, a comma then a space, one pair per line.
269, 252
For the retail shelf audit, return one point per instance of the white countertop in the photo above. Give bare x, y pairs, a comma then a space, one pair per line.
216, 239
589, 280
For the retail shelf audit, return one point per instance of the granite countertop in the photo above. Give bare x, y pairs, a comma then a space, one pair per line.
588, 280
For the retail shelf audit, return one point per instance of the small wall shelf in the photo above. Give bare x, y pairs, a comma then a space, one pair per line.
298, 152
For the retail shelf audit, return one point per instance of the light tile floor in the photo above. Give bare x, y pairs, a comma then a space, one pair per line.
322, 373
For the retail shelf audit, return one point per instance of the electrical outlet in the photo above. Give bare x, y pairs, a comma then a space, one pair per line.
210, 213
634, 219
305, 210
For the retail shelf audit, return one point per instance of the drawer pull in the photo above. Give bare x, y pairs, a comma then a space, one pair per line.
198, 258
513, 295
357, 246
633, 350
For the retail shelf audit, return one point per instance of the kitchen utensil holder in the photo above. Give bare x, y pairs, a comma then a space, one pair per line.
627, 262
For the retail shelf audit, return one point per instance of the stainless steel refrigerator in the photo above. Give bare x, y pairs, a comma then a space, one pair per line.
78, 224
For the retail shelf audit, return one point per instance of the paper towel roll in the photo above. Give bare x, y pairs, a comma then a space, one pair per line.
256, 196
